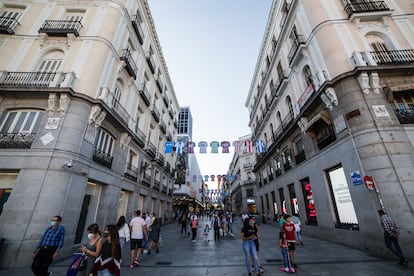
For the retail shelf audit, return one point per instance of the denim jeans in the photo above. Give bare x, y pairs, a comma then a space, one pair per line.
104, 272
249, 248
285, 256
392, 244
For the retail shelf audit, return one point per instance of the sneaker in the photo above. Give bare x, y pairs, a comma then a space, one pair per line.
132, 265
261, 270
252, 268
149, 252
136, 262
157, 251
292, 270
145, 251
284, 269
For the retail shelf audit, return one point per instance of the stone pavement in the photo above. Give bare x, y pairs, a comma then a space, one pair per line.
179, 256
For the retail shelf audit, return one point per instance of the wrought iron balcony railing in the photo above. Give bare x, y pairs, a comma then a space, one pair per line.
155, 113
16, 140
298, 43
130, 65
145, 95
393, 57
60, 27
131, 172
8, 25
102, 158
151, 63
365, 6
406, 115
36, 79
137, 28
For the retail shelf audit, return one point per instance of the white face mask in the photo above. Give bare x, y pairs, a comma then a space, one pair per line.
91, 236
52, 223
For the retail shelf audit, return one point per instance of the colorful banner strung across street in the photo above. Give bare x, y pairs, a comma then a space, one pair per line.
212, 177
239, 146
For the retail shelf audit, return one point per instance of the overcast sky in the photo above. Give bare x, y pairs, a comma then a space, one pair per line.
211, 49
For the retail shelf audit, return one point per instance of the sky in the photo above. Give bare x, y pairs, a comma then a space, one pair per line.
211, 49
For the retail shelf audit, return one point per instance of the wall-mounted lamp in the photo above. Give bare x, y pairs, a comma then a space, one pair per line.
68, 163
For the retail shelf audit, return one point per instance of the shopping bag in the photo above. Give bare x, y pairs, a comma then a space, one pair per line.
78, 261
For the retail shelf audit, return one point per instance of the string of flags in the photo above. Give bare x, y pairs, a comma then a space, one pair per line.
206, 178
247, 146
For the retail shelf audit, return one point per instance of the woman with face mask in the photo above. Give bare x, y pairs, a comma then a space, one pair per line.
92, 249
109, 262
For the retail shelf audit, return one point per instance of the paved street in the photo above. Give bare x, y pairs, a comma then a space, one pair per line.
179, 256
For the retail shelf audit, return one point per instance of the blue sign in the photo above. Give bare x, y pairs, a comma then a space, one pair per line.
356, 178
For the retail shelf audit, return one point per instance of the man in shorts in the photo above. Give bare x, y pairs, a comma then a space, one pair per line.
138, 229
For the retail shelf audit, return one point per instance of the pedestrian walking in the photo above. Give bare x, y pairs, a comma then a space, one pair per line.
391, 236
154, 235
298, 230
123, 231
92, 249
48, 247
194, 226
257, 244
284, 248
215, 225
248, 234
183, 221
109, 261
139, 232
289, 229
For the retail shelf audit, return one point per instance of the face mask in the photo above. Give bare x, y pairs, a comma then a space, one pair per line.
52, 223
106, 235
91, 236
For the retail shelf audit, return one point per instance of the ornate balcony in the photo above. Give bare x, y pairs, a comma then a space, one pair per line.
36, 79
365, 6
130, 65
393, 57
145, 95
295, 52
60, 27
8, 25
131, 172
16, 140
102, 158
136, 24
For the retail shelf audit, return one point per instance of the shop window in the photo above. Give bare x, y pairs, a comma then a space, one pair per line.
342, 200
293, 200
311, 215
282, 201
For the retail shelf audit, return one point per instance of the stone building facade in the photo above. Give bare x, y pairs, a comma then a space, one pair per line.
333, 96
86, 106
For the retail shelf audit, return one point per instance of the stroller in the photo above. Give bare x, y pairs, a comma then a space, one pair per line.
78, 262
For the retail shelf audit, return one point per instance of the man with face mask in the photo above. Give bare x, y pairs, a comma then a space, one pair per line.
48, 247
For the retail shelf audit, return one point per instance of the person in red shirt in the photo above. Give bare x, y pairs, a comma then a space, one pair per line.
289, 229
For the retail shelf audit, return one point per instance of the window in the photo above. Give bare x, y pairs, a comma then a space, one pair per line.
403, 106
341, 199
282, 201
104, 142
309, 202
8, 19
21, 121
293, 200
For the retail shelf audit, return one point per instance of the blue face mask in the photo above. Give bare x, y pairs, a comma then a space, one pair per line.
52, 223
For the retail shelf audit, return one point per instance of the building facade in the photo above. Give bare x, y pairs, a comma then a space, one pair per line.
86, 106
333, 96
242, 188
189, 184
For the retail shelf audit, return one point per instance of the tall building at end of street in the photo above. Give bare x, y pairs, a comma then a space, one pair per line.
188, 188
86, 107
333, 97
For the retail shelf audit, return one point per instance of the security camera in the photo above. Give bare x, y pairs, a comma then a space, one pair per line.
69, 163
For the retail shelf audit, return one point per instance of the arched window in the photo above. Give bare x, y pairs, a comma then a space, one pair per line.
51, 61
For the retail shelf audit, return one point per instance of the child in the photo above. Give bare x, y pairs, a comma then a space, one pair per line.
285, 253
205, 232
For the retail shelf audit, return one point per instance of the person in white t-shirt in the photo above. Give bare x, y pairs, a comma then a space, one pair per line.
138, 229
